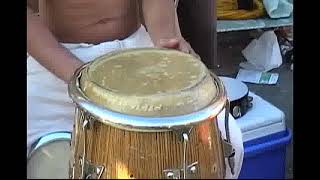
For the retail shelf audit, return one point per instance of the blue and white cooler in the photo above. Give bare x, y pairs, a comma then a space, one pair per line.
265, 138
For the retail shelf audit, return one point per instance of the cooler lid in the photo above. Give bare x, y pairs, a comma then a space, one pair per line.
261, 120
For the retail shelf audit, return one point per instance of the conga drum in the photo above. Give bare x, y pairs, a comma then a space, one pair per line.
49, 157
147, 113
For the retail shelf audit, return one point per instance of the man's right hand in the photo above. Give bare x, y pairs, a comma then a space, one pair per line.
43, 46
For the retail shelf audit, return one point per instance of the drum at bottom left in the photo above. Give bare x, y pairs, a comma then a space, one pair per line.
50, 157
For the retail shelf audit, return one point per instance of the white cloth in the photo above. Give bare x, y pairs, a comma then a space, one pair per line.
236, 141
49, 108
278, 8
262, 54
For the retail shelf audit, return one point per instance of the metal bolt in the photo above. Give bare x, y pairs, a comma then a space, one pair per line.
170, 175
193, 169
236, 112
98, 170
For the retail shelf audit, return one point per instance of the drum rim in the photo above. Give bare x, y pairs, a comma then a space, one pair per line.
237, 82
143, 123
64, 136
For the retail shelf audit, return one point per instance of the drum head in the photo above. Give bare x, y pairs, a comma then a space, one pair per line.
147, 89
235, 89
50, 161
149, 82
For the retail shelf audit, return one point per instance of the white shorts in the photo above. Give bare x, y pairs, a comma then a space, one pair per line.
49, 108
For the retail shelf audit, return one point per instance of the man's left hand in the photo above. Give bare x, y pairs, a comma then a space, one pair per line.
179, 44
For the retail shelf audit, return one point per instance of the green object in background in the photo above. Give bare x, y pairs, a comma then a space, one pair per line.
264, 78
257, 77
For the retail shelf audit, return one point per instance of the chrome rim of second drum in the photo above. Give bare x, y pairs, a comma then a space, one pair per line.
49, 138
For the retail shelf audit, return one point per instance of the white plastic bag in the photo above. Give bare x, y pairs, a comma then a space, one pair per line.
262, 54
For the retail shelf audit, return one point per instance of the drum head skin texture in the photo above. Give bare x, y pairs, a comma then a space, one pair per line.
50, 161
149, 82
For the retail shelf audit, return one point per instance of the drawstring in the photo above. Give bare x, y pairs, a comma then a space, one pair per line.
85, 45
121, 45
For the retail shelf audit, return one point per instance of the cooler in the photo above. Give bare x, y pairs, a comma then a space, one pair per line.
265, 139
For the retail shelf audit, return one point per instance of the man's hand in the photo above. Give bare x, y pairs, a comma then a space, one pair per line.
43, 46
179, 44
163, 26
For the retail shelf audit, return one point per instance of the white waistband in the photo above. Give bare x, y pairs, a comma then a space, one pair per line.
141, 33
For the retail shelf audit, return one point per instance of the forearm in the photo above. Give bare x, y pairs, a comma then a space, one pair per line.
160, 19
42, 45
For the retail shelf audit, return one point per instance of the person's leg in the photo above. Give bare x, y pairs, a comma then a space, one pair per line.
49, 108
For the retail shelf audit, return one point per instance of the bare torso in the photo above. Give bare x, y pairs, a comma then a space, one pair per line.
94, 21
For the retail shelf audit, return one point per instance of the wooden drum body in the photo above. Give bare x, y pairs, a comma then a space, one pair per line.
143, 141
129, 154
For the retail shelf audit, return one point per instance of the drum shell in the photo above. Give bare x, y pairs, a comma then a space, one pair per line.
134, 154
